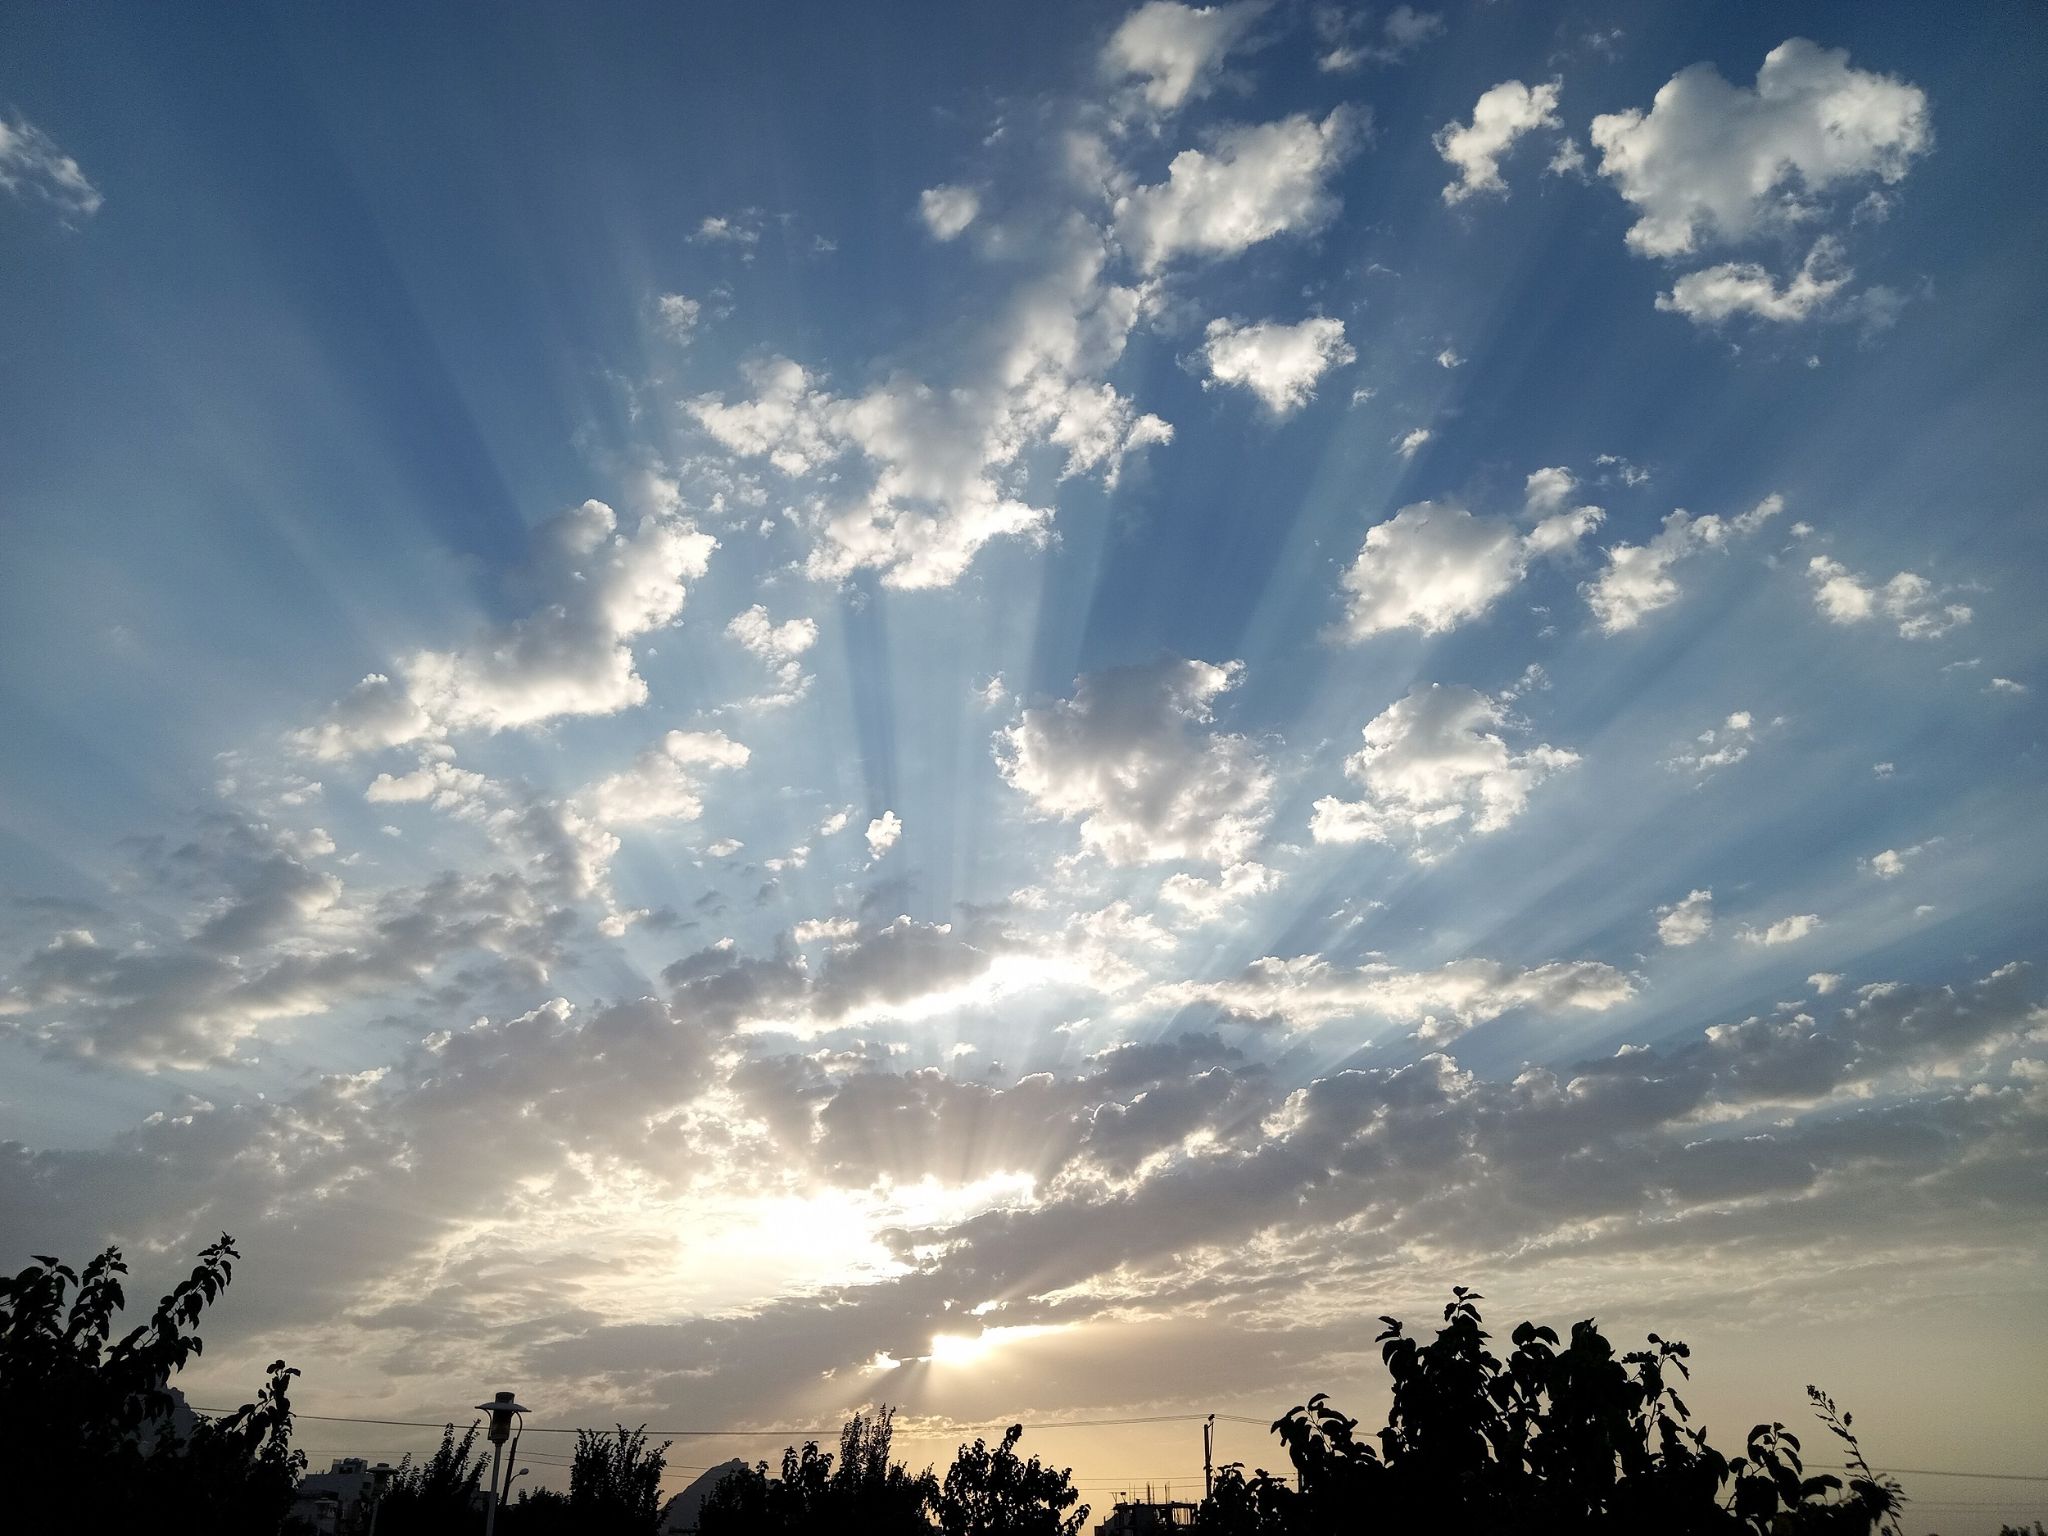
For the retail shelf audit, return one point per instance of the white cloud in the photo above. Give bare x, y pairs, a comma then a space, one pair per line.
1688, 921
1132, 756
2005, 685
947, 211
1203, 901
1547, 490
1305, 991
1402, 30
662, 784
1912, 602
678, 315
1278, 363
1449, 359
32, 164
883, 833
1406, 27
770, 641
1721, 746
437, 782
1637, 579
1176, 49
835, 823
1257, 182
1500, 116
1786, 930
1412, 440
834, 929
948, 464
781, 646
1432, 763
571, 656
1742, 287
1712, 160
1824, 982
742, 229
1891, 863
1433, 565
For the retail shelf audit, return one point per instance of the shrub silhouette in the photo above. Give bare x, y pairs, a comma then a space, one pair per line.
440, 1494
998, 1493
866, 1491
92, 1435
1559, 1436
614, 1490
987, 1492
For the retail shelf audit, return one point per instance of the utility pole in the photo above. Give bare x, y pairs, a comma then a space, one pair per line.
501, 1409
1208, 1458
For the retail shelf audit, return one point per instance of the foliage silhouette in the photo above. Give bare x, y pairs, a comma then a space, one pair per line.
614, 1490
1559, 1436
865, 1491
998, 1493
442, 1493
92, 1435
986, 1492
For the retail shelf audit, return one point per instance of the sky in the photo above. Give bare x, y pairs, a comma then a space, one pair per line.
727, 711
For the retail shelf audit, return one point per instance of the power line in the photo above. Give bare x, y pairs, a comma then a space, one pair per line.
955, 1426
831, 1432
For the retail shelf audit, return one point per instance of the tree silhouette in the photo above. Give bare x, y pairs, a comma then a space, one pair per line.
92, 1435
987, 1492
865, 1491
998, 1493
442, 1493
1559, 1436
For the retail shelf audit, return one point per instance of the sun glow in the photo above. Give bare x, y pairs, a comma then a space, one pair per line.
972, 1348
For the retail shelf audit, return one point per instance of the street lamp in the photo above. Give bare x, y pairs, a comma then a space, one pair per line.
501, 1409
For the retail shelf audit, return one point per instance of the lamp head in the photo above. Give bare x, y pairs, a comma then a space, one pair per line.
501, 1408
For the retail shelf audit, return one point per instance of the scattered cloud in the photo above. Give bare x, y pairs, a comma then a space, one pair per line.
947, 211
1912, 602
662, 784
1891, 863
1278, 363
1435, 763
1786, 930
1686, 922
1204, 901
1434, 565
572, 655
32, 165
1255, 183
1637, 579
1176, 50
678, 316
1346, 37
1133, 756
883, 833
1307, 991
1500, 117
742, 229
946, 473
1721, 746
781, 646
1712, 161
1716, 294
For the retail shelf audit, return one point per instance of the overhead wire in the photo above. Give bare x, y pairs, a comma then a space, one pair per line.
914, 1432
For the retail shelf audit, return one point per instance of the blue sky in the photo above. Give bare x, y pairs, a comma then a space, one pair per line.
977, 619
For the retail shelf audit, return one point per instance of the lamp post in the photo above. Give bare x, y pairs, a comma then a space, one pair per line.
501, 1409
